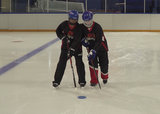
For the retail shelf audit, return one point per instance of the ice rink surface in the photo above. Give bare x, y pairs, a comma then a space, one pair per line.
28, 61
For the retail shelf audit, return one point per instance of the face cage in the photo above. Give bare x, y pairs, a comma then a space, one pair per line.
88, 23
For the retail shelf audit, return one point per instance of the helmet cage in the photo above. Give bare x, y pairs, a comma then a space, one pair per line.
87, 18
88, 23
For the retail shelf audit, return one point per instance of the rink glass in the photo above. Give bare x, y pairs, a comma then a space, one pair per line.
63, 6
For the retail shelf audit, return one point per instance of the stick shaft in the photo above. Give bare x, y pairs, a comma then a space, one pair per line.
94, 70
74, 80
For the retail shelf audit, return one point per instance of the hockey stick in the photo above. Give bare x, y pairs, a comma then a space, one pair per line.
94, 69
72, 67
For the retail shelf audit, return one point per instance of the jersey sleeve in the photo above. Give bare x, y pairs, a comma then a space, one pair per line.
98, 38
82, 34
59, 30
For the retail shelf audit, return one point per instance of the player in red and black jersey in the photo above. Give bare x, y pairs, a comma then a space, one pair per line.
70, 32
96, 43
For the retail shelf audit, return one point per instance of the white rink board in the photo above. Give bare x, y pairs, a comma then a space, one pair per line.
51, 21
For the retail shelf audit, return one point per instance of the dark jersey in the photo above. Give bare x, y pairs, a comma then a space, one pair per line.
74, 33
95, 37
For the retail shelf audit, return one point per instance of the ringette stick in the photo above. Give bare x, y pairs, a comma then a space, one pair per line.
94, 69
72, 67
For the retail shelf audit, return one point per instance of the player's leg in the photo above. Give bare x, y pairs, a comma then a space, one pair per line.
60, 68
94, 80
103, 63
80, 68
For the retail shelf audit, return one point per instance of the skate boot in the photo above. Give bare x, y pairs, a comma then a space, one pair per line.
105, 81
55, 84
93, 85
82, 85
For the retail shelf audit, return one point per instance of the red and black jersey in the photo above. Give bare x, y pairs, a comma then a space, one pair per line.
95, 37
74, 33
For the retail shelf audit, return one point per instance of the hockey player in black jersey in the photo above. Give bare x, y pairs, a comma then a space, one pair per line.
69, 32
96, 43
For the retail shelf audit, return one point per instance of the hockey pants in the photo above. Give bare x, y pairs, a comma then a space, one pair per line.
102, 59
61, 66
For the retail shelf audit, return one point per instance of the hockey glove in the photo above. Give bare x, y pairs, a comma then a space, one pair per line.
91, 55
85, 43
65, 38
71, 52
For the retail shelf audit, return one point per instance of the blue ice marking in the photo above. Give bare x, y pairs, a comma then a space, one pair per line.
81, 97
25, 57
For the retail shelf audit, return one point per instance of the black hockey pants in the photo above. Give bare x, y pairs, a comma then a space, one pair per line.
62, 65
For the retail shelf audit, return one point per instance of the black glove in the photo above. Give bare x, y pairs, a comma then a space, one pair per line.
71, 52
65, 38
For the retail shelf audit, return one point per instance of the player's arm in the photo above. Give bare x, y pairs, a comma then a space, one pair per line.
60, 31
98, 38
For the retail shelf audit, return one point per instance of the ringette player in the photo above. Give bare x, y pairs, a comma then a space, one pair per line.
69, 31
95, 40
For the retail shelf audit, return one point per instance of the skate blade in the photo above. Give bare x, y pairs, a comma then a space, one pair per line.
82, 87
56, 87
92, 87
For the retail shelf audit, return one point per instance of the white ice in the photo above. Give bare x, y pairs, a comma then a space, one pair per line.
133, 86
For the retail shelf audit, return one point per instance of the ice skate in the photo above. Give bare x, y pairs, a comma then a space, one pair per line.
82, 85
55, 85
105, 81
93, 85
